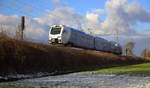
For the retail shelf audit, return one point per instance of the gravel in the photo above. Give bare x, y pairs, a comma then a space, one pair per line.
84, 80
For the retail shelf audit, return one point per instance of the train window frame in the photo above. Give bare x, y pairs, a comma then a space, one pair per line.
54, 32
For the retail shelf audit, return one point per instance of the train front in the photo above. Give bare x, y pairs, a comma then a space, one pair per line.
55, 34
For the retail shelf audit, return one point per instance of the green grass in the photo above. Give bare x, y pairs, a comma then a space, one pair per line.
132, 70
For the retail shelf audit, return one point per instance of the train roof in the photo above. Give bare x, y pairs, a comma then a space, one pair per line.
83, 33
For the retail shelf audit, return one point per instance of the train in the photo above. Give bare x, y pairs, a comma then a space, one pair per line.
62, 34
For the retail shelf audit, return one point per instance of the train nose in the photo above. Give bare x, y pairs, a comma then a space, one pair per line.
54, 40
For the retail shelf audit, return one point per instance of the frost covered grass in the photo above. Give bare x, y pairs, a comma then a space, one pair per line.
10, 85
15, 85
132, 70
87, 80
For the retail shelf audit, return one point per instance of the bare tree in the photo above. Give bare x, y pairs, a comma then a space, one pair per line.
149, 53
145, 53
128, 49
3, 31
18, 33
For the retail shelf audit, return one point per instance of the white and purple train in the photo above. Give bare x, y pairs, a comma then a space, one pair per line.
61, 34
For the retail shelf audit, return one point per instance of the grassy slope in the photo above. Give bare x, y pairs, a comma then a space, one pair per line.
26, 57
138, 69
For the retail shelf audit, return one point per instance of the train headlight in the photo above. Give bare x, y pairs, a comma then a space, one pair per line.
116, 45
52, 40
59, 37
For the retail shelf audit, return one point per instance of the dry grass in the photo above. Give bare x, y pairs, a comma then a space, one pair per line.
3, 33
147, 58
27, 57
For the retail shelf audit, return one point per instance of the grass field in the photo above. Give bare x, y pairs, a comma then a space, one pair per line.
132, 70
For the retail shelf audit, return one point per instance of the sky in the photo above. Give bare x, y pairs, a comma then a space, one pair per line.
99, 17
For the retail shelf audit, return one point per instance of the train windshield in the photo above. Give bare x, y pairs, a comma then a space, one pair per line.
55, 30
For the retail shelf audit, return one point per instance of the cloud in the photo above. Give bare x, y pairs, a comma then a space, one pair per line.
9, 23
59, 3
120, 15
136, 12
65, 16
36, 31
98, 11
123, 15
93, 23
33, 29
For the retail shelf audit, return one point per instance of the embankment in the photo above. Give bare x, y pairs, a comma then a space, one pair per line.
22, 57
